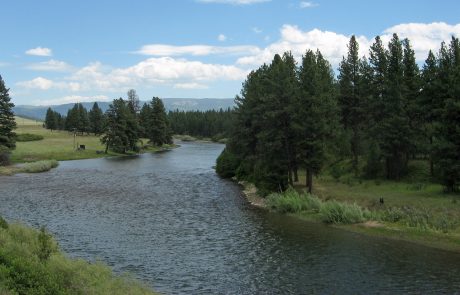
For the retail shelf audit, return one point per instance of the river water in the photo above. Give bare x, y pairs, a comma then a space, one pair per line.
171, 222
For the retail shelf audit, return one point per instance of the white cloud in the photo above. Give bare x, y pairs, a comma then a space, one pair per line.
233, 2
51, 65
37, 83
195, 50
190, 86
40, 51
72, 99
307, 4
222, 37
424, 37
256, 30
181, 73
333, 45
46, 84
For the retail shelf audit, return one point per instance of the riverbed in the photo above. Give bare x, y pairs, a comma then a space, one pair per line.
171, 222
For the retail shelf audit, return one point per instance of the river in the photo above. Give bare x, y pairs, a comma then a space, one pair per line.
168, 219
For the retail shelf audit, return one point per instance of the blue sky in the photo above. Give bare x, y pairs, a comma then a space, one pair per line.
67, 51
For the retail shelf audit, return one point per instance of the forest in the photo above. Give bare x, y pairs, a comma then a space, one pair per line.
378, 114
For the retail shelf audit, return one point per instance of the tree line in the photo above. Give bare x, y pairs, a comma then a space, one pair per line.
121, 127
212, 124
380, 112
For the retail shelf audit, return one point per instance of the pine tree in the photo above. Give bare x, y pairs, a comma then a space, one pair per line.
51, 120
7, 124
448, 129
158, 131
96, 119
351, 101
116, 135
133, 102
317, 113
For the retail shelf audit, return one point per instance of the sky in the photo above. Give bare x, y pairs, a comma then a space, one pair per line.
54, 52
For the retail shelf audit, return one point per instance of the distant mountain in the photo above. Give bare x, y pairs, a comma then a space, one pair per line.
182, 104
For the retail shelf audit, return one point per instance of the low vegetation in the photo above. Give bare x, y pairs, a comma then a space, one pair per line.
39, 166
23, 137
31, 263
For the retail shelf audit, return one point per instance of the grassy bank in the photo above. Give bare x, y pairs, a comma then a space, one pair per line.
413, 211
31, 263
42, 148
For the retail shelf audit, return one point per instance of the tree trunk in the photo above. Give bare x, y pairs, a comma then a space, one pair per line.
296, 175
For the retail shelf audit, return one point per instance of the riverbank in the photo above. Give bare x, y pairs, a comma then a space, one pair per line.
32, 263
58, 146
189, 138
404, 221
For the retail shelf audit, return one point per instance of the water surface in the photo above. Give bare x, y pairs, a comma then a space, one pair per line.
168, 219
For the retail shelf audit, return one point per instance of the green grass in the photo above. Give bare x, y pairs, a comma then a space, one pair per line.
332, 212
31, 263
58, 145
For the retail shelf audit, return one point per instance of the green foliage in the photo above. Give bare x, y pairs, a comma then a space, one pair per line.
5, 153
343, 213
30, 263
157, 129
121, 128
226, 164
211, 123
24, 137
3, 223
45, 245
96, 119
7, 122
292, 202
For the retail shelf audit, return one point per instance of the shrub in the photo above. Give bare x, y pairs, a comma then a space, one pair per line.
39, 166
337, 213
291, 202
392, 215
28, 137
4, 155
226, 164
3, 223
45, 245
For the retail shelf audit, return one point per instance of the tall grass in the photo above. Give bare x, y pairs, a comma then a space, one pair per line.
39, 166
291, 202
25, 269
335, 212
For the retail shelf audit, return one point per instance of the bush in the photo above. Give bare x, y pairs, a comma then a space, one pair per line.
343, 213
226, 164
28, 137
22, 271
4, 155
3, 223
39, 166
291, 202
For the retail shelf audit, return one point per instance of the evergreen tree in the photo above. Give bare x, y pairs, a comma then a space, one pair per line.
448, 129
317, 113
133, 101
7, 124
158, 130
96, 119
144, 119
394, 130
51, 120
117, 134
352, 103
